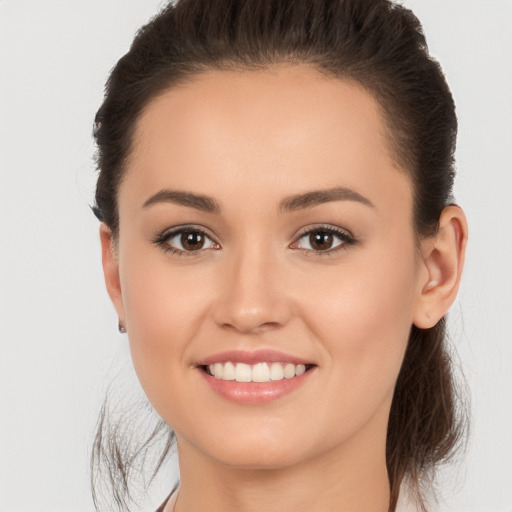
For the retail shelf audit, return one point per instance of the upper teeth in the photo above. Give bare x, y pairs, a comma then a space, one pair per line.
260, 372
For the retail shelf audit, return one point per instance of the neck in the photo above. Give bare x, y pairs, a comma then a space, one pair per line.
350, 477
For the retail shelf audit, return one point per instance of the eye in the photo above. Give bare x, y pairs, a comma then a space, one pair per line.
185, 240
324, 239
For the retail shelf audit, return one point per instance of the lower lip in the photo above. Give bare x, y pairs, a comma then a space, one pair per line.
254, 393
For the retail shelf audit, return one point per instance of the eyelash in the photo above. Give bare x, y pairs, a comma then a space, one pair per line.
162, 240
347, 239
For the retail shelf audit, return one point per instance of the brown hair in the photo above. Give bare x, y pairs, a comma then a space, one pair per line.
375, 43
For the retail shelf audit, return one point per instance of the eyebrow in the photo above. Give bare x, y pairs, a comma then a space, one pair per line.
197, 201
289, 204
318, 197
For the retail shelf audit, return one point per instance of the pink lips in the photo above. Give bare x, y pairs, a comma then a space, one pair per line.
253, 393
251, 357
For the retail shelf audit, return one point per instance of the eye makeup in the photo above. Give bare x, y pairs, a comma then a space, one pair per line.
190, 240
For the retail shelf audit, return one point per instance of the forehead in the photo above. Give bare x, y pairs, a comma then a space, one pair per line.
282, 130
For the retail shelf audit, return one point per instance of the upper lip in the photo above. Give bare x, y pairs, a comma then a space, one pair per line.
252, 357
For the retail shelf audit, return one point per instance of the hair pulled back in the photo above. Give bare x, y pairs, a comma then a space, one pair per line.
375, 43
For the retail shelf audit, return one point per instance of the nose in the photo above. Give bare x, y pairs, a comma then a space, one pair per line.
252, 293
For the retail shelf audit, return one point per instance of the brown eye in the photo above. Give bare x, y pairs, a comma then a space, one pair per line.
321, 240
186, 240
192, 240
324, 240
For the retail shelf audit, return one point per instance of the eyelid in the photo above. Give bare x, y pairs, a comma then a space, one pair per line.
169, 233
326, 227
344, 235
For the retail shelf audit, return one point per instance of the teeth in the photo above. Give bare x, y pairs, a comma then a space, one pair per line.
289, 371
217, 369
276, 371
229, 371
242, 372
260, 372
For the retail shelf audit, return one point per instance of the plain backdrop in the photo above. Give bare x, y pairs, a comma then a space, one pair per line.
59, 344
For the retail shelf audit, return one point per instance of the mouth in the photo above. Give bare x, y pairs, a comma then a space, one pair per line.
265, 371
255, 377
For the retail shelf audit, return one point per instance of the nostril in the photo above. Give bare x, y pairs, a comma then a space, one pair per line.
247, 326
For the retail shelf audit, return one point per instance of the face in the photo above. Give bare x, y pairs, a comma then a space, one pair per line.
265, 227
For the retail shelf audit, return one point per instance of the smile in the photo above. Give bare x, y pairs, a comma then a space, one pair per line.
259, 372
254, 377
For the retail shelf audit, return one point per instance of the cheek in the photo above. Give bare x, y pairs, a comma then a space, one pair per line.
163, 310
363, 319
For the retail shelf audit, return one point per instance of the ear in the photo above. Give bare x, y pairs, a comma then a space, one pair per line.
111, 270
442, 261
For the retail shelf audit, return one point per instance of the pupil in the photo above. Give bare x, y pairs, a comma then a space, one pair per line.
192, 240
321, 240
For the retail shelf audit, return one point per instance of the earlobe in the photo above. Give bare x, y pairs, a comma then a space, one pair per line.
442, 260
111, 270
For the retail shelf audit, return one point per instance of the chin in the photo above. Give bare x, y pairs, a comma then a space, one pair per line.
255, 451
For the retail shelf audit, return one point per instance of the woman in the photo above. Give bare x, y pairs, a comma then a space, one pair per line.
281, 246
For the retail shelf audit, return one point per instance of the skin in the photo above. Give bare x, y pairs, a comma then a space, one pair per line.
249, 140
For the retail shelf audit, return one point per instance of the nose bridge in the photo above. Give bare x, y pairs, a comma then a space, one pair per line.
251, 296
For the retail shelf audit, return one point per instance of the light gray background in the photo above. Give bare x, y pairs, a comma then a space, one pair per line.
58, 339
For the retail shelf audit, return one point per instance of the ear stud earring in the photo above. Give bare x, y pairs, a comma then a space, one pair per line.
121, 327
